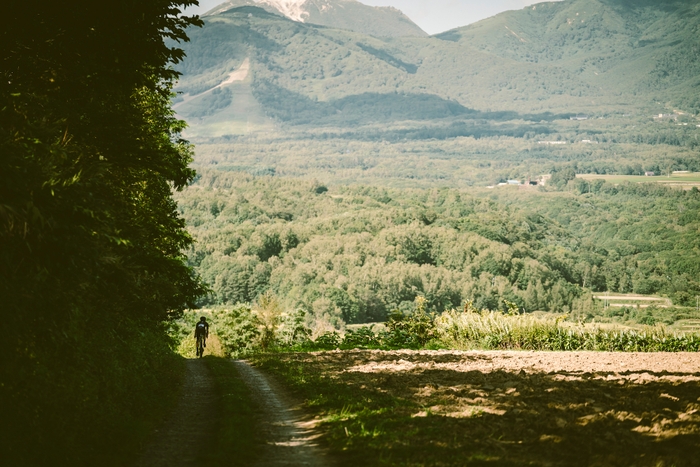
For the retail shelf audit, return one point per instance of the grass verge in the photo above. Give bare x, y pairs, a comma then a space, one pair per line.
238, 440
365, 424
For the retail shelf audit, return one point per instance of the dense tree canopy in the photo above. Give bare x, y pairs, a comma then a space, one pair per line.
90, 152
354, 253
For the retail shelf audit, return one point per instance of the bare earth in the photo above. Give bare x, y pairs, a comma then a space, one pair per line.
181, 441
237, 75
534, 408
289, 433
518, 408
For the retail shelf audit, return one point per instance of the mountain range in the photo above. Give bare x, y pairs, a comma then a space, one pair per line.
256, 66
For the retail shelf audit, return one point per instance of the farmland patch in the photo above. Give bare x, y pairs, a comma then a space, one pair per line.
501, 408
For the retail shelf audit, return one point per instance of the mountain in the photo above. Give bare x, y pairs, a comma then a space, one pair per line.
249, 69
341, 14
643, 47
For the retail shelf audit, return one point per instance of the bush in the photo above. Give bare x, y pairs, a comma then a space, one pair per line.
327, 341
362, 338
410, 332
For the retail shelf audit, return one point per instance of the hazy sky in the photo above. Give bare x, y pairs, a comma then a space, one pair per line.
433, 16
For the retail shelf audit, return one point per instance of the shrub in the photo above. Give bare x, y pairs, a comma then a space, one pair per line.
327, 341
363, 337
292, 330
412, 331
238, 328
268, 312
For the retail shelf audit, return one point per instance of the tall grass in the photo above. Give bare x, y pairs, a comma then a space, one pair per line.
496, 330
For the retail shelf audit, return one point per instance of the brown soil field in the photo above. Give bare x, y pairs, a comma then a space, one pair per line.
527, 408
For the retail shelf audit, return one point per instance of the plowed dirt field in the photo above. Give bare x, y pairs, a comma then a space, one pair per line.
503, 408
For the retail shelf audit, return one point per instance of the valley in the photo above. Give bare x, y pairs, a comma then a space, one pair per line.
375, 154
476, 247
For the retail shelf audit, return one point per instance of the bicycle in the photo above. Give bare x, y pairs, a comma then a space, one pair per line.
201, 343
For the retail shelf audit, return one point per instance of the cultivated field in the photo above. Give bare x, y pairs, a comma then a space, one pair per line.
440, 408
633, 300
681, 180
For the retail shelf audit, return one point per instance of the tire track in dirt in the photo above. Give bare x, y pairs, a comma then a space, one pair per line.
289, 433
181, 440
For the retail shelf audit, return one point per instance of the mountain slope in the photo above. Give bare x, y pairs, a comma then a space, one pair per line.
596, 57
306, 74
642, 47
342, 14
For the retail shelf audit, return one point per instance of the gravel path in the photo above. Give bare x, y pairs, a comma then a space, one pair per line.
289, 432
190, 428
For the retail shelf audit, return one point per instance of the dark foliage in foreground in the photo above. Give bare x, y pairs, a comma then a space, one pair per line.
90, 241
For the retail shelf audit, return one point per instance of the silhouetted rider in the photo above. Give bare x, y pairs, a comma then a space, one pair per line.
201, 331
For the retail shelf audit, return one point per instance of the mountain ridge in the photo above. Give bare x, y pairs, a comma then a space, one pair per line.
588, 57
341, 14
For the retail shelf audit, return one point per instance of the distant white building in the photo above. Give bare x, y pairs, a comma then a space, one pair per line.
666, 117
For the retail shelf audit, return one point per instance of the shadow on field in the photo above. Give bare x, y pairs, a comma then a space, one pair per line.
403, 412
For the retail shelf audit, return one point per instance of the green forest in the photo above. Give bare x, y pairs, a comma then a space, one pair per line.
353, 254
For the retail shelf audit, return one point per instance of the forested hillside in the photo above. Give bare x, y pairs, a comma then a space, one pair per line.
646, 49
352, 254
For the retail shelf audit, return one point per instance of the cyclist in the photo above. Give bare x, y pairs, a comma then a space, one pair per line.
201, 332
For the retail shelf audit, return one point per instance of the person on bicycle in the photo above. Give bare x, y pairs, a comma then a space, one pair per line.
201, 332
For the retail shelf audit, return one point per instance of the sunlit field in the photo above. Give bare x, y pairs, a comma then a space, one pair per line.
681, 180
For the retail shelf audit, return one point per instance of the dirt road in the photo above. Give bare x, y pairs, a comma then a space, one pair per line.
183, 438
289, 432
189, 431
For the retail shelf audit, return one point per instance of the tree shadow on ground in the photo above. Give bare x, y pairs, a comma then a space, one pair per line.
417, 416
